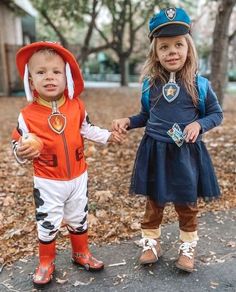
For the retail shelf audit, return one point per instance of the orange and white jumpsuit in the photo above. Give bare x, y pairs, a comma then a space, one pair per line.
60, 172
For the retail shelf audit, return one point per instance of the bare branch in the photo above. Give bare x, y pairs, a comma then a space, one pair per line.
101, 34
61, 37
232, 36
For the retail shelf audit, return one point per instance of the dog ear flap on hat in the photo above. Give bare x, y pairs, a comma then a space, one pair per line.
70, 81
169, 22
75, 82
28, 91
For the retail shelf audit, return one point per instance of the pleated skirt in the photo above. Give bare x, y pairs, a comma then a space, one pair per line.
168, 173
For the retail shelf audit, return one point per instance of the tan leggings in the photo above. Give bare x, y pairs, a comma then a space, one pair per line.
151, 224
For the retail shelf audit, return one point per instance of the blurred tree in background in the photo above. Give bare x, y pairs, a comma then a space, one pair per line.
114, 24
91, 26
70, 22
220, 47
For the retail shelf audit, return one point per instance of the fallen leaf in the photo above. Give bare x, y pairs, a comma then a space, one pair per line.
61, 281
79, 283
231, 244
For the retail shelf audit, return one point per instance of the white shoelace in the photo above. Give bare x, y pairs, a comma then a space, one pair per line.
149, 243
187, 248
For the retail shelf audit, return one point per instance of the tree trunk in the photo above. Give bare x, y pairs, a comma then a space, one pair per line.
219, 56
124, 70
82, 58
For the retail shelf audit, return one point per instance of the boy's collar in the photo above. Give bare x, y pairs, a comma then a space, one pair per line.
46, 103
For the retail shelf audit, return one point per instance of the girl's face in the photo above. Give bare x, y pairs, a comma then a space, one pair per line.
172, 52
47, 75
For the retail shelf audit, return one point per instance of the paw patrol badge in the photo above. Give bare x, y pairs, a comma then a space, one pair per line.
56, 121
171, 89
170, 13
176, 134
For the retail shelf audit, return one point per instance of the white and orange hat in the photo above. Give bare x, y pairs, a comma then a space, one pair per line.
75, 82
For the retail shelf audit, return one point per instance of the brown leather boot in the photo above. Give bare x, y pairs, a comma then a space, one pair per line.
44, 272
81, 254
187, 252
151, 251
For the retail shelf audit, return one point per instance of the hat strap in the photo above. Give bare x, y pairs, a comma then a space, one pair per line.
70, 81
28, 92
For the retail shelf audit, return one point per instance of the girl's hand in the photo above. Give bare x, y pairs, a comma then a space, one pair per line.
116, 137
121, 125
191, 132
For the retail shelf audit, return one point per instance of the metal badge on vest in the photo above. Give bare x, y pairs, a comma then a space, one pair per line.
171, 89
56, 121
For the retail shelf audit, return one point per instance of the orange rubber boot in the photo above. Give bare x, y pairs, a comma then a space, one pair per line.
81, 254
43, 273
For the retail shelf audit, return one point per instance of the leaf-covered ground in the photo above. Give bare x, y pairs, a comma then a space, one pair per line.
114, 215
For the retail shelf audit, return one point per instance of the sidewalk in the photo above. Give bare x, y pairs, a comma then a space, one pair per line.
215, 264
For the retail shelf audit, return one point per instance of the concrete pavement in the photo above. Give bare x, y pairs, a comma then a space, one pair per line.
215, 264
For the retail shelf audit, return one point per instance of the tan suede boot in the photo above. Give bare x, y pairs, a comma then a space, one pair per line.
151, 251
187, 252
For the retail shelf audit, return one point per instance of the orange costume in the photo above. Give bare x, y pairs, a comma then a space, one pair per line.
60, 171
62, 157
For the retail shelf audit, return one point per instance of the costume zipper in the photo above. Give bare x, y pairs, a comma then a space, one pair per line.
67, 155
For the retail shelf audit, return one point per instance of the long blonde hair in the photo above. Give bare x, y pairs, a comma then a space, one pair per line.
152, 69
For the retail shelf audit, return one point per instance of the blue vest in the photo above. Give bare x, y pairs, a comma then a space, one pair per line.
202, 87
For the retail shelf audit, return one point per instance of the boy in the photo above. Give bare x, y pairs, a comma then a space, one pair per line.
50, 132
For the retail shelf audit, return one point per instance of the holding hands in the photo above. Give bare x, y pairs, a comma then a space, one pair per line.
121, 125
119, 130
116, 137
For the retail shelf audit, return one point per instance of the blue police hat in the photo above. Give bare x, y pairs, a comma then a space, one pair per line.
169, 22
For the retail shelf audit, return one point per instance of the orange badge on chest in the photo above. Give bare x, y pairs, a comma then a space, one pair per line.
57, 122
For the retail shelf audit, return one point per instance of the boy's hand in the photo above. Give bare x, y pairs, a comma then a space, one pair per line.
26, 151
116, 137
121, 125
191, 132
29, 147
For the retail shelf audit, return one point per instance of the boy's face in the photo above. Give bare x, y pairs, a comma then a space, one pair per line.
47, 73
172, 52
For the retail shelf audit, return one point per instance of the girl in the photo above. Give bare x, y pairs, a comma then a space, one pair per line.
50, 132
172, 163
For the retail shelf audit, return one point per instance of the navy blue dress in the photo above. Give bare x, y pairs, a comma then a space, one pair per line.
162, 170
